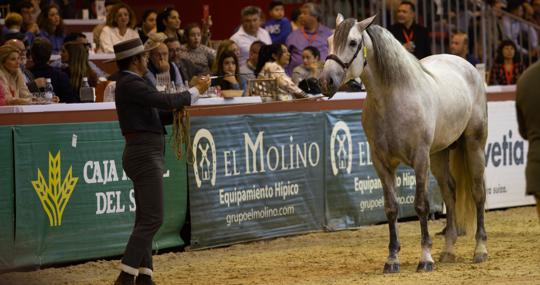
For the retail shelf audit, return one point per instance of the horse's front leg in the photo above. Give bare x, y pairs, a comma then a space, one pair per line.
421, 205
386, 173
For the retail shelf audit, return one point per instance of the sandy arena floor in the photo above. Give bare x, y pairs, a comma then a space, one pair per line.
346, 257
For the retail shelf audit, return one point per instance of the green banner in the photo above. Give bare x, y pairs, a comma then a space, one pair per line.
6, 198
256, 176
354, 194
73, 200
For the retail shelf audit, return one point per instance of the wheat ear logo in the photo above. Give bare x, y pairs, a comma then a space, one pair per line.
55, 194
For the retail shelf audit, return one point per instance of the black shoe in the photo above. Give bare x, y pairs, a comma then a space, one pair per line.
125, 279
144, 279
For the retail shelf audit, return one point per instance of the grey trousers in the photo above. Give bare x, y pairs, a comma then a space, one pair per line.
143, 163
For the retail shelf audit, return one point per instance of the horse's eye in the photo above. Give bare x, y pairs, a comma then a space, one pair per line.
353, 44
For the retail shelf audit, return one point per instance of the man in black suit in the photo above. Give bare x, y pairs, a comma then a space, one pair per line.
415, 38
138, 105
186, 68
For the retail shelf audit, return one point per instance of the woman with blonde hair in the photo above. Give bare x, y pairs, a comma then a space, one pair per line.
120, 27
12, 78
77, 66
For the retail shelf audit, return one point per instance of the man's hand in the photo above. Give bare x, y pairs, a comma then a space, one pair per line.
201, 83
40, 82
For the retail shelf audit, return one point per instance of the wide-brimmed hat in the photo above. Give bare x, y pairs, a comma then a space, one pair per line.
130, 48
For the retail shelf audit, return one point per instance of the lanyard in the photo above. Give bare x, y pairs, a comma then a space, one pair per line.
408, 37
509, 73
309, 38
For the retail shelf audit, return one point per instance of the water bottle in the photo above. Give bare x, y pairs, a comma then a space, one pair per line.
49, 91
87, 93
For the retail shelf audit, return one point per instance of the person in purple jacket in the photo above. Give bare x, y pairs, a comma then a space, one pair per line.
278, 26
313, 33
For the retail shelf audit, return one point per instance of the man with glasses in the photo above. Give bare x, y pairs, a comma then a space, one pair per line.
185, 67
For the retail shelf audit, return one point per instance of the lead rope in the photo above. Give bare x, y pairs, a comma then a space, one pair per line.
181, 136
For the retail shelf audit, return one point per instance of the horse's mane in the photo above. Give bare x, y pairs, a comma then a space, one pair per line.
394, 64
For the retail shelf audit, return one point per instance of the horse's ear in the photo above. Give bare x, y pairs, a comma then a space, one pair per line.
366, 23
339, 19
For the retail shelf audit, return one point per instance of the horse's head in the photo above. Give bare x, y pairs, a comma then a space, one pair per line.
347, 54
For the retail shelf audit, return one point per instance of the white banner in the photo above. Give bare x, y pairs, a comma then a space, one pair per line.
506, 157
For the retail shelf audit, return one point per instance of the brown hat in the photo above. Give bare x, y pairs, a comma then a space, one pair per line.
129, 48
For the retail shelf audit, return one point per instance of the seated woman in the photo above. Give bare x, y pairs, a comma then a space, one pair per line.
226, 45
168, 22
227, 72
52, 27
11, 77
507, 67
311, 65
76, 56
119, 27
272, 60
147, 25
200, 55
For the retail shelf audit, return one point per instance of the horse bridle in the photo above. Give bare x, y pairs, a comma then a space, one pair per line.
344, 65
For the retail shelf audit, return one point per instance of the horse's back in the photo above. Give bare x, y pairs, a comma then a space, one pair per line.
460, 98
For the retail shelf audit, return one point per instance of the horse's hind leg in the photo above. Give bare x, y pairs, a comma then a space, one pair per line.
476, 163
388, 179
421, 205
441, 170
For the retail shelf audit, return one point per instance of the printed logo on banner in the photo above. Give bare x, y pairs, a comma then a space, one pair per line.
204, 158
54, 194
341, 156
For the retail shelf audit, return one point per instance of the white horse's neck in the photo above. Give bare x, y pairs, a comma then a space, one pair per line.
390, 66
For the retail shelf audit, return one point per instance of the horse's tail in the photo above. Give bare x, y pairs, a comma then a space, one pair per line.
465, 206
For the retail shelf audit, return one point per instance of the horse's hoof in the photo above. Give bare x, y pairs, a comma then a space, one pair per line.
447, 257
424, 266
480, 257
391, 268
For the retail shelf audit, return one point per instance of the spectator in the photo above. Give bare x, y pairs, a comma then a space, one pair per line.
41, 52
226, 45
311, 65
249, 32
459, 46
29, 25
507, 67
228, 72
148, 24
52, 27
75, 54
161, 71
414, 37
313, 33
295, 19
247, 71
519, 32
120, 23
11, 77
536, 7
12, 25
200, 55
278, 26
32, 83
109, 4
528, 117
62, 62
168, 22
185, 67
272, 60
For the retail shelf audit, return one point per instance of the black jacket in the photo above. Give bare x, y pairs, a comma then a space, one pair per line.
420, 38
59, 80
138, 104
